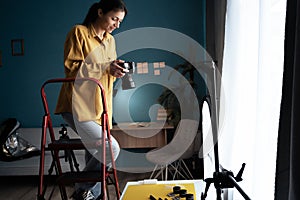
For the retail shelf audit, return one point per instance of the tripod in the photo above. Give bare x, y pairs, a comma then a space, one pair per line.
225, 179
222, 179
68, 155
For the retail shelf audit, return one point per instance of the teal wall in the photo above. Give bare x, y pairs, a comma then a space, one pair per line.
44, 24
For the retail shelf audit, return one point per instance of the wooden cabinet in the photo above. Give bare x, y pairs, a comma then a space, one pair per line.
141, 134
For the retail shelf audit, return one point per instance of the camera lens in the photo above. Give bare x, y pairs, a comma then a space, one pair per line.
176, 189
189, 196
127, 80
128, 65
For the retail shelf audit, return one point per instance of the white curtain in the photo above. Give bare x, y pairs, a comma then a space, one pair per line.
252, 83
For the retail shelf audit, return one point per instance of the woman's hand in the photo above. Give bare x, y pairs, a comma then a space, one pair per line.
116, 70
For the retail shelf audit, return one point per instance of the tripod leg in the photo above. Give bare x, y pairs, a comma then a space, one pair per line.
239, 188
219, 193
68, 158
75, 161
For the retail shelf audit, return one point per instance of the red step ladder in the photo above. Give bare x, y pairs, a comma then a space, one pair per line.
56, 145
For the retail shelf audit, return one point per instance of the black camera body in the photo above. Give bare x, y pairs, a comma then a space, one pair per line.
127, 80
130, 66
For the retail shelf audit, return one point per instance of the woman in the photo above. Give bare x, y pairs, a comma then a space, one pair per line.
89, 51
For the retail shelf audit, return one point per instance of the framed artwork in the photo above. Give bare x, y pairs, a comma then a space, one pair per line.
17, 47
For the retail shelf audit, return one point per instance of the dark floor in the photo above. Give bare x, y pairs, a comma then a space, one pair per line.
26, 187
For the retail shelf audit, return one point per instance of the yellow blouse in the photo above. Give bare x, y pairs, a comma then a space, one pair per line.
85, 55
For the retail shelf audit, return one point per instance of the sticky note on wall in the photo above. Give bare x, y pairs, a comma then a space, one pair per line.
156, 65
142, 68
156, 72
162, 64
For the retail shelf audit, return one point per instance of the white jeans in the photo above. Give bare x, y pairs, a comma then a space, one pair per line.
91, 131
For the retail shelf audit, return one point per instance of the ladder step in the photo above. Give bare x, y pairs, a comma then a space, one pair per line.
76, 177
69, 144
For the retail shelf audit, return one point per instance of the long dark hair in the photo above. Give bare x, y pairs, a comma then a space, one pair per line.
106, 6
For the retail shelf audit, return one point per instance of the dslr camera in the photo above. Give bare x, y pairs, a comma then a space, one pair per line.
129, 66
127, 80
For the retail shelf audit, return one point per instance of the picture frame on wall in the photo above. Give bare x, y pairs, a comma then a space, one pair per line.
17, 47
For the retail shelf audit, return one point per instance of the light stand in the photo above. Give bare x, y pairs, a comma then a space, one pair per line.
222, 179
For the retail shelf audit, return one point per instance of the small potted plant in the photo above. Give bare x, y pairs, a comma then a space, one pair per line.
169, 100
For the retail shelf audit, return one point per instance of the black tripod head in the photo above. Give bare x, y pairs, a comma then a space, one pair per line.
63, 132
